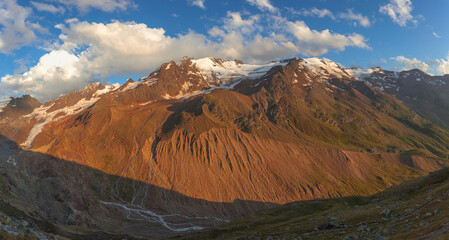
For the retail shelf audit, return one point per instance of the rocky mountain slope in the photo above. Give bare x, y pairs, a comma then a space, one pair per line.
425, 94
416, 209
139, 155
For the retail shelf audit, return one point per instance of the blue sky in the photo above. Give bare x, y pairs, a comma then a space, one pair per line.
50, 47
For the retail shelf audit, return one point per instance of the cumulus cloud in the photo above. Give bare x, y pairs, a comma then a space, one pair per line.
109, 49
313, 42
47, 7
399, 11
443, 65
55, 73
88, 51
16, 30
198, 3
263, 5
244, 39
104, 5
404, 63
437, 66
235, 21
357, 18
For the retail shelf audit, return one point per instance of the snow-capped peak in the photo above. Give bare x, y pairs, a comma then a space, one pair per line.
324, 68
218, 71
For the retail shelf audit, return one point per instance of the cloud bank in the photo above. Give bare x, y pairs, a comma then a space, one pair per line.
407, 64
89, 51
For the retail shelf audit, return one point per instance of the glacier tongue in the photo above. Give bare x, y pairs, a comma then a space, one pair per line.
217, 71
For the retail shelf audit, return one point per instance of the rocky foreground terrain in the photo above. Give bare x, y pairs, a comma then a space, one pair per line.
416, 209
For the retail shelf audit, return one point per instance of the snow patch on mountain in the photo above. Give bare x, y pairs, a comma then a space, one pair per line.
106, 89
144, 80
217, 71
43, 117
3, 103
325, 68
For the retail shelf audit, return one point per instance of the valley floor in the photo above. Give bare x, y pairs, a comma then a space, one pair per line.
416, 209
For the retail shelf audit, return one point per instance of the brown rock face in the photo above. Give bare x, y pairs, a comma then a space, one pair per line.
295, 132
290, 137
19, 106
11, 116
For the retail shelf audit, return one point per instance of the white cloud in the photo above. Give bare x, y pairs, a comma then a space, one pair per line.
47, 7
234, 21
313, 42
436, 35
356, 17
404, 63
104, 5
243, 39
16, 30
433, 67
88, 51
56, 72
110, 49
263, 5
443, 65
399, 11
321, 13
198, 3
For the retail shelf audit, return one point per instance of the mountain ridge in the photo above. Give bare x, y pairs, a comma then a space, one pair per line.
285, 131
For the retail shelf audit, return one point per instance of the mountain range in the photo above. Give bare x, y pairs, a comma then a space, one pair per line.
204, 141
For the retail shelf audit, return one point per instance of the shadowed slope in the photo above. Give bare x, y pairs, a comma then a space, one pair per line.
416, 209
68, 199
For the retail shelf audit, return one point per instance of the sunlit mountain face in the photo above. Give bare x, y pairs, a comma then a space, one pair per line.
126, 119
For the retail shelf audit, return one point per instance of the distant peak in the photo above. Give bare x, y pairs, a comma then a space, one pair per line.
417, 70
24, 102
92, 85
289, 60
185, 60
